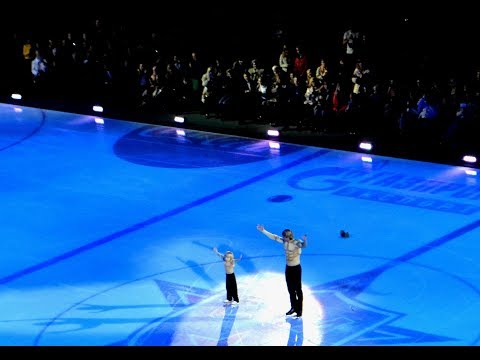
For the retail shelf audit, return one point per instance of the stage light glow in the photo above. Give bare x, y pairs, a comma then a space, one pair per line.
365, 146
470, 159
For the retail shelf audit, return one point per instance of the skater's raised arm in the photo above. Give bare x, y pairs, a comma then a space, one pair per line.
302, 243
274, 237
215, 250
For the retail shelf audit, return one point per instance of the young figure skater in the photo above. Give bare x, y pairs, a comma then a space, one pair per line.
293, 270
231, 282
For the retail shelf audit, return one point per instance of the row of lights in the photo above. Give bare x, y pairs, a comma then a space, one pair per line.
469, 160
272, 133
95, 108
365, 146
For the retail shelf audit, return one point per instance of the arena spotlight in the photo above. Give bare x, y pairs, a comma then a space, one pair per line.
272, 132
179, 119
16, 96
97, 108
470, 159
365, 146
